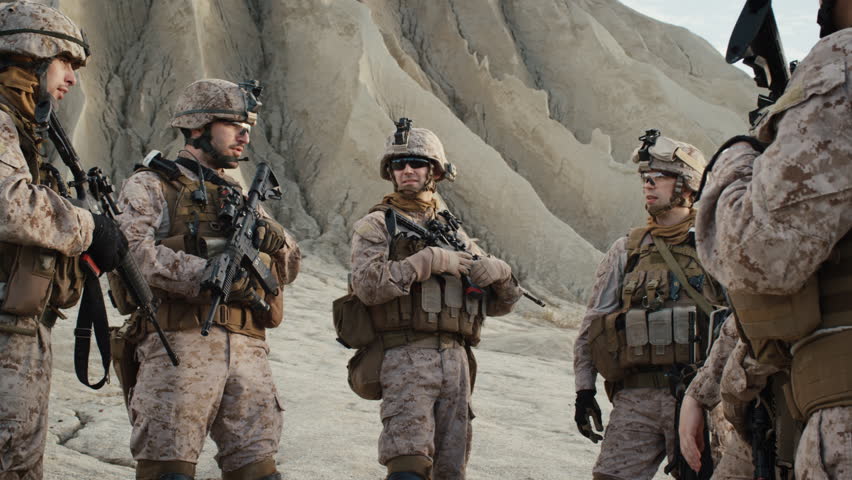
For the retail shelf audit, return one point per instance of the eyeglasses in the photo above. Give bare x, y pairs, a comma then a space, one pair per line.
244, 128
653, 177
413, 162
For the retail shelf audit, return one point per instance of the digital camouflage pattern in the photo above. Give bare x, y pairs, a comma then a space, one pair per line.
35, 214
768, 221
640, 434
604, 299
32, 15
705, 386
426, 408
223, 386
25, 369
426, 391
225, 100
663, 157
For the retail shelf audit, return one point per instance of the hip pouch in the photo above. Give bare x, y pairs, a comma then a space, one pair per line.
29, 285
352, 322
365, 371
605, 336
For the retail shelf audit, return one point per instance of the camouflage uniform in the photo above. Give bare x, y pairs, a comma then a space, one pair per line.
223, 385
770, 220
426, 384
30, 215
731, 454
641, 430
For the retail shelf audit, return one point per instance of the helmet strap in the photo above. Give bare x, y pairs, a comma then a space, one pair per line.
217, 159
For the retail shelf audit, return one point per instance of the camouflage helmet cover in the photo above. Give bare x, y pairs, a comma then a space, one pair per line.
421, 143
207, 100
35, 30
672, 156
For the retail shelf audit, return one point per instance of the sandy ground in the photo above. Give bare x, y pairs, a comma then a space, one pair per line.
523, 402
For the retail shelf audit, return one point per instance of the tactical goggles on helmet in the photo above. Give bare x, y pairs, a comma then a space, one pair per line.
413, 162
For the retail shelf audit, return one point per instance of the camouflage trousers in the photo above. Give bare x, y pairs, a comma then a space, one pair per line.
825, 449
731, 454
640, 434
223, 387
25, 368
426, 408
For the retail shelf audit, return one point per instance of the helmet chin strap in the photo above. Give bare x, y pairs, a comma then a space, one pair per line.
217, 159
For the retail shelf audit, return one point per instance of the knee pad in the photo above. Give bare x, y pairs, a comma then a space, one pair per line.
404, 476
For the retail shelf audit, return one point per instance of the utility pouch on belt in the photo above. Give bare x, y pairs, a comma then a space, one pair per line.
660, 337
119, 295
123, 342
352, 322
636, 334
365, 370
604, 339
67, 282
28, 288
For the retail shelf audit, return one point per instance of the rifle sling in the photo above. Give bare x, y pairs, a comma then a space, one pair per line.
92, 314
675, 267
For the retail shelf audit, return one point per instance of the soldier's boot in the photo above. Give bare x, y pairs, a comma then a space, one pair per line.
166, 470
262, 470
404, 476
409, 467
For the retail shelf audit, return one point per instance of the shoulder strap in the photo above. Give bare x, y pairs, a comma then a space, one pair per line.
634, 242
696, 297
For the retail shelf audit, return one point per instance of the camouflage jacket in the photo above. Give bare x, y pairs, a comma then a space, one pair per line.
768, 220
705, 386
377, 280
35, 214
145, 220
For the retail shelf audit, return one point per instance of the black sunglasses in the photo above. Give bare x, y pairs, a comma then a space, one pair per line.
413, 162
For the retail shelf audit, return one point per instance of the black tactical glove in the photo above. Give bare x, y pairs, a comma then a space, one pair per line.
586, 407
108, 245
269, 236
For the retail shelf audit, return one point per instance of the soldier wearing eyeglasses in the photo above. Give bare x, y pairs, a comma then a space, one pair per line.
648, 309
427, 324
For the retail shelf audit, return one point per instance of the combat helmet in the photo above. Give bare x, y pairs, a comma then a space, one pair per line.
34, 30
208, 100
667, 155
420, 143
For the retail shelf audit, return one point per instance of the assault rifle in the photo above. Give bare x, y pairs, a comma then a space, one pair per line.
443, 235
94, 190
756, 41
680, 379
241, 257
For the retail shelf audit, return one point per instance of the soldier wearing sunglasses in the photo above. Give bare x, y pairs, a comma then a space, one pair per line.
650, 303
423, 317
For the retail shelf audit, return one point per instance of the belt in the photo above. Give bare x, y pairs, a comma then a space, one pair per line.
652, 379
438, 340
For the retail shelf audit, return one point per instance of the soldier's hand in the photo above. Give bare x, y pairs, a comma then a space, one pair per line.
691, 431
108, 243
488, 270
449, 261
269, 236
587, 407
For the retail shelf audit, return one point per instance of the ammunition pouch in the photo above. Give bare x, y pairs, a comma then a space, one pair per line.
28, 287
174, 317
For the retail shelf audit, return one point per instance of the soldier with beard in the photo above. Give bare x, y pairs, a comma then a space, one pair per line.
650, 298
775, 230
223, 384
41, 233
415, 298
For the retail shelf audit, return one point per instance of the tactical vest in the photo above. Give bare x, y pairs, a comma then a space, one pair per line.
658, 323
36, 278
809, 333
194, 228
437, 305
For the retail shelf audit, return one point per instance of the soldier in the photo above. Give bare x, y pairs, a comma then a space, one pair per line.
223, 385
775, 231
650, 293
407, 286
41, 233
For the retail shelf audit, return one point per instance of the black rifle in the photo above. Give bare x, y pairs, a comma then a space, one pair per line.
680, 379
756, 41
241, 256
94, 190
442, 235
762, 432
